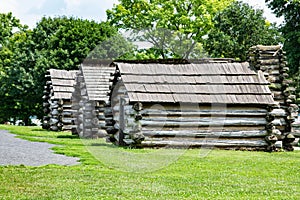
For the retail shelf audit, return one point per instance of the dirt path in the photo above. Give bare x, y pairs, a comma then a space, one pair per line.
15, 151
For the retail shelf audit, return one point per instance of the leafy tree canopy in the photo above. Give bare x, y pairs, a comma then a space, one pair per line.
169, 26
8, 25
61, 43
16, 81
290, 10
65, 42
237, 28
115, 47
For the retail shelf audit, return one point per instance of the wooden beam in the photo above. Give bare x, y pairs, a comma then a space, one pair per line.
199, 134
206, 143
204, 122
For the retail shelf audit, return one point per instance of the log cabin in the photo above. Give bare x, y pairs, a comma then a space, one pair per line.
226, 105
90, 99
57, 100
206, 102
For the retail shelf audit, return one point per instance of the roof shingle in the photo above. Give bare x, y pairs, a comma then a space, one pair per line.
230, 83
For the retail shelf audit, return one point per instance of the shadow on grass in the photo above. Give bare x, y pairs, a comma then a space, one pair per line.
100, 143
68, 136
109, 145
103, 145
39, 130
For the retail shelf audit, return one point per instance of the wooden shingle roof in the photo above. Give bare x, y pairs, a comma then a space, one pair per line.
96, 76
231, 83
62, 83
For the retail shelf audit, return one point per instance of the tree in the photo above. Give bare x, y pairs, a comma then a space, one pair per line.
237, 28
115, 47
61, 43
16, 81
12, 36
290, 10
64, 43
170, 26
8, 25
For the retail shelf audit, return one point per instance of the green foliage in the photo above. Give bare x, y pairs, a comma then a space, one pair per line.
16, 81
8, 25
290, 10
60, 42
115, 47
65, 42
219, 175
237, 28
175, 27
144, 54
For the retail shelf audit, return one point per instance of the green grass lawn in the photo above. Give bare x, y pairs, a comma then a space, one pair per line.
219, 175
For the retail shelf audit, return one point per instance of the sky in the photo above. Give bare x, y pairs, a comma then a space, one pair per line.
31, 11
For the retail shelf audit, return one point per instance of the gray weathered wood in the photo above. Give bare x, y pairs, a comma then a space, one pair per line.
198, 133
122, 121
207, 143
205, 122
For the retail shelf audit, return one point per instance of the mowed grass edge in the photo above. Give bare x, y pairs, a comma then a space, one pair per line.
219, 175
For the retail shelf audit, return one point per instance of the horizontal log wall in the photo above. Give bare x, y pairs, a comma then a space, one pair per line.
67, 117
228, 126
220, 143
187, 124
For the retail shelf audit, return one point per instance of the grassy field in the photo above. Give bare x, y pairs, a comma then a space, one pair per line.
219, 175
